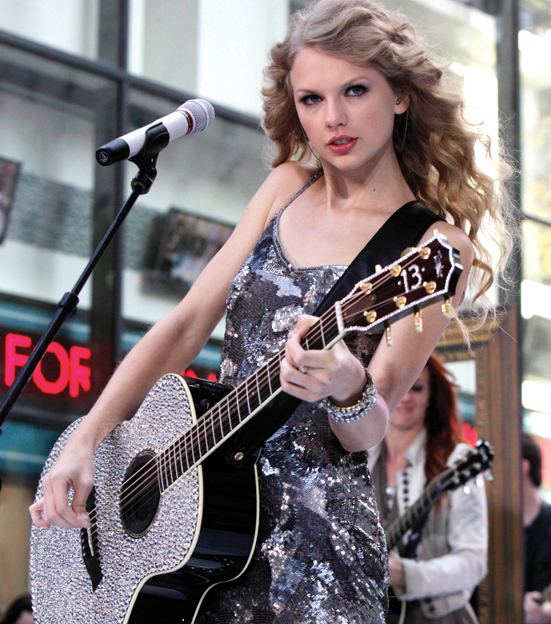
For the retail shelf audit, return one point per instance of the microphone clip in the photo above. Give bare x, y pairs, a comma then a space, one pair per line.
156, 139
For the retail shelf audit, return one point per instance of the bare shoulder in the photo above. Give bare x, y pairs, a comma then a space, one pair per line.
285, 181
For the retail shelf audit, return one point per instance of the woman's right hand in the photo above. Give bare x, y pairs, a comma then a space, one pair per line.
74, 469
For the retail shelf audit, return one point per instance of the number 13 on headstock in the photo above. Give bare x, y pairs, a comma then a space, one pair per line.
423, 275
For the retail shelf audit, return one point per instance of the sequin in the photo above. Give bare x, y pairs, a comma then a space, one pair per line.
321, 554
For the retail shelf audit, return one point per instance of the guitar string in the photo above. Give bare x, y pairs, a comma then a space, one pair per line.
429, 495
190, 445
149, 477
187, 447
206, 420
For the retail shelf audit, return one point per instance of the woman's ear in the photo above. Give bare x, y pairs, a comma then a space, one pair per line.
402, 104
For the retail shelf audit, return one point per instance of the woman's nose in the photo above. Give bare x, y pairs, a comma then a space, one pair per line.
335, 115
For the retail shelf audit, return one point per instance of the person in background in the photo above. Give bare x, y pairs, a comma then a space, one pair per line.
423, 437
536, 520
20, 611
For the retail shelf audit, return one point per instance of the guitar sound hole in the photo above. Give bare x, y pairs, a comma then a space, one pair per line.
140, 495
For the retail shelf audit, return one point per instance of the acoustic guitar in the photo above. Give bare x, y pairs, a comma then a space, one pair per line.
169, 517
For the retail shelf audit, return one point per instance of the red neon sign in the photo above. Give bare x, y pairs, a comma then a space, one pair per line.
72, 371
64, 373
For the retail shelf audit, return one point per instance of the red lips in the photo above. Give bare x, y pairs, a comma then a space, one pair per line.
342, 144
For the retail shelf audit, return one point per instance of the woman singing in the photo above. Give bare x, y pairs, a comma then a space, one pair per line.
364, 123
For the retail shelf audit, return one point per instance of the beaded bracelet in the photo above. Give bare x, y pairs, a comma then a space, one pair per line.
354, 412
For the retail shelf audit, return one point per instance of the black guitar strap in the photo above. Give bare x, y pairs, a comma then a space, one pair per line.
401, 230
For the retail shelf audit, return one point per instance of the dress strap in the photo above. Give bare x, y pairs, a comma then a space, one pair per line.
300, 191
402, 229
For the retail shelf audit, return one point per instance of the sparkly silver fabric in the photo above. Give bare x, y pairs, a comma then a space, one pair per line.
321, 555
61, 587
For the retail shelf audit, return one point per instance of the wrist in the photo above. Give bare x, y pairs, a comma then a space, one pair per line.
351, 413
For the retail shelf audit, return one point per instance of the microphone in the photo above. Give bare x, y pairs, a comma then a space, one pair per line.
191, 117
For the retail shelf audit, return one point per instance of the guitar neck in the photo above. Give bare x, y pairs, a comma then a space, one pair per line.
419, 278
239, 405
416, 512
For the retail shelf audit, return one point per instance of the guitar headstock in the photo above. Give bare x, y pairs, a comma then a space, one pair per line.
477, 460
422, 276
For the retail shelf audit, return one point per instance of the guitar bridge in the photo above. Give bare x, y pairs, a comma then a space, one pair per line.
90, 544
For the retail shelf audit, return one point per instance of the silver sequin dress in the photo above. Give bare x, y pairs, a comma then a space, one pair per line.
321, 554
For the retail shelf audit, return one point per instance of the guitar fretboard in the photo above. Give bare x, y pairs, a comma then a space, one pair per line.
217, 424
416, 512
421, 277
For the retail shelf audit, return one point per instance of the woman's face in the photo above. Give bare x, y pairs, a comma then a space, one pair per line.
410, 413
347, 111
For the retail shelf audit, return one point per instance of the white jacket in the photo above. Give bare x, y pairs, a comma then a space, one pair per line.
452, 555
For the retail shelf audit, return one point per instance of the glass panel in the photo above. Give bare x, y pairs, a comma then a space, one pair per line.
464, 372
179, 43
211, 175
68, 25
536, 338
535, 52
48, 127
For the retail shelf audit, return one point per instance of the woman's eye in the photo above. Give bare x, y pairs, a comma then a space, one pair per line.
356, 90
310, 99
417, 388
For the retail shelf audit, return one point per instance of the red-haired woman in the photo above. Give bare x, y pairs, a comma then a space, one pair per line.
424, 437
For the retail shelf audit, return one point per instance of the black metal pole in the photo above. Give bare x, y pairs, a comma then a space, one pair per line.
67, 307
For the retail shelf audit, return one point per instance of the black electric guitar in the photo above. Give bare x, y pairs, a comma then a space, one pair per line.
476, 461
169, 517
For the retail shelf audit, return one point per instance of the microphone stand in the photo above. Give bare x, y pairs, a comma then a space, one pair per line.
157, 138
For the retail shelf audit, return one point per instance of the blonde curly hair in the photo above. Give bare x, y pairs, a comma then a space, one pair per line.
434, 143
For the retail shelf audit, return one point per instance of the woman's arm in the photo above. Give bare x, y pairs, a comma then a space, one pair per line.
169, 347
338, 374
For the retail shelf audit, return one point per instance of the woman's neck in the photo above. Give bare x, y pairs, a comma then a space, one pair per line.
382, 188
397, 442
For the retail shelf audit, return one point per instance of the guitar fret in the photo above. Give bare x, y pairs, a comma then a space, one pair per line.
159, 476
162, 471
269, 380
264, 391
258, 390
225, 421
213, 429
182, 470
186, 450
193, 434
203, 443
170, 479
247, 395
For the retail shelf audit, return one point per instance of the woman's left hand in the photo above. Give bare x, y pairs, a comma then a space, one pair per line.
314, 374
396, 575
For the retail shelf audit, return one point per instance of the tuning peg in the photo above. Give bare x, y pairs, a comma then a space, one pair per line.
430, 287
418, 320
388, 334
407, 250
467, 490
435, 232
447, 309
378, 268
